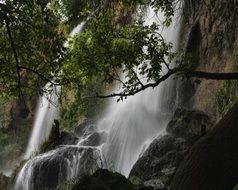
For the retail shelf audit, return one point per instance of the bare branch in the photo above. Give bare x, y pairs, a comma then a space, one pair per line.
212, 76
21, 96
43, 77
189, 73
136, 76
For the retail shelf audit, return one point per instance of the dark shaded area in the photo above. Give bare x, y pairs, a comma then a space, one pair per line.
106, 180
212, 162
187, 87
4, 181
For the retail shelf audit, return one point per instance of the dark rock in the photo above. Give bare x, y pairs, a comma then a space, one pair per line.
86, 125
4, 180
158, 163
95, 139
64, 139
157, 184
212, 162
54, 168
106, 180
68, 138
189, 124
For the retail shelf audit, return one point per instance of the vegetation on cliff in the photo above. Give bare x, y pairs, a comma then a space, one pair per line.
112, 43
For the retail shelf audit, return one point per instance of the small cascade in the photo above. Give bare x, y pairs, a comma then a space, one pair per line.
47, 111
53, 168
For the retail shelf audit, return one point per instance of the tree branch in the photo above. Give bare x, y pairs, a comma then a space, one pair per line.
21, 96
149, 85
189, 74
212, 76
43, 77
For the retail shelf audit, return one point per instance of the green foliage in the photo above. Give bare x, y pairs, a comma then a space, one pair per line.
106, 48
236, 187
227, 95
35, 48
82, 104
135, 180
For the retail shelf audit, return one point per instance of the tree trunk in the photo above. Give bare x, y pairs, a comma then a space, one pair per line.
212, 163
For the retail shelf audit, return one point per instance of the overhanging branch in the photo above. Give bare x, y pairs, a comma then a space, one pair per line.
212, 76
149, 85
188, 74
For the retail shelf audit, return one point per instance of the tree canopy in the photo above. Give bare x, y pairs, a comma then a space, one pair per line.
115, 46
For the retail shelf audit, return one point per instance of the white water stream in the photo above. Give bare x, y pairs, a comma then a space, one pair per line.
130, 126
46, 112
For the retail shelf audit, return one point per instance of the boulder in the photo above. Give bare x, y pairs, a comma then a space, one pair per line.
48, 170
105, 180
68, 138
189, 124
212, 162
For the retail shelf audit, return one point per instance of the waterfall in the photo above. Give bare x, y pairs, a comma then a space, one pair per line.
118, 139
133, 123
46, 111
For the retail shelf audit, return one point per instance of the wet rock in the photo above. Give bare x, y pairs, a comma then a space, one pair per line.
68, 138
54, 168
86, 125
159, 162
95, 139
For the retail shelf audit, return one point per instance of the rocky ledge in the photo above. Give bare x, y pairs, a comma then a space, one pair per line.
159, 162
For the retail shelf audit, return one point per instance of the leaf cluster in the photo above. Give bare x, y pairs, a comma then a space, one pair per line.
130, 53
35, 50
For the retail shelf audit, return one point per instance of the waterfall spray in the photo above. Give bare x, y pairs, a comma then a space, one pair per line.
131, 124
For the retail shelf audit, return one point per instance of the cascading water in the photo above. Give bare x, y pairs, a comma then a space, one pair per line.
46, 112
133, 123
117, 141
45, 115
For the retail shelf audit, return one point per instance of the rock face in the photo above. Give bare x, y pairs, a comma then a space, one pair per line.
3, 181
212, 162
159, 162
106, 180
210, 37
